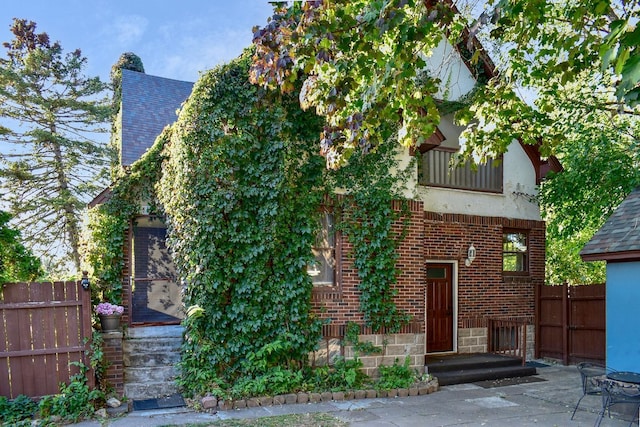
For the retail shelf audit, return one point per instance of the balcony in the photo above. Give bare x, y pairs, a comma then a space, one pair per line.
435, 170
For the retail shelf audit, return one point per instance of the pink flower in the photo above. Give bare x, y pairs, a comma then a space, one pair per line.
107, 308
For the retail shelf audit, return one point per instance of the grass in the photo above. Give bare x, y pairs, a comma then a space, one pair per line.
294, 420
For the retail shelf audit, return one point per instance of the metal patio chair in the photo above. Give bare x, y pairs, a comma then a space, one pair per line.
590, 373
615, 392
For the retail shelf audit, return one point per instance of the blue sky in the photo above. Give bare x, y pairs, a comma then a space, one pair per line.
174, 39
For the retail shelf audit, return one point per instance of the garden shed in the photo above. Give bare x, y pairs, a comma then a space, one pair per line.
618, 243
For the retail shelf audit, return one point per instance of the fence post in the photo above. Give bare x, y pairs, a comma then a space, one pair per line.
565, 321
536, 320
84, 290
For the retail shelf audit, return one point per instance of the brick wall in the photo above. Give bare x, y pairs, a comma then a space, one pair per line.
114, 357
483, 291
342, 305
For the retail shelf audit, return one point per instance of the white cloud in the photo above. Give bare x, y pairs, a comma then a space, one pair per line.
196, 54
128, 29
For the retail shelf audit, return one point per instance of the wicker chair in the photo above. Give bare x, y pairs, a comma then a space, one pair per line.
590, 374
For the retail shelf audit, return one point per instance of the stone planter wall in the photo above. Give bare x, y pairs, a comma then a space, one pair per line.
212, 403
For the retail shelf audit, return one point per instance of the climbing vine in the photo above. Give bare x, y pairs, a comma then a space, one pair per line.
108, 222
369, 216
241, 188
240, 183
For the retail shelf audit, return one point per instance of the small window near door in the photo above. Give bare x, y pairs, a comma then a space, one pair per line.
323, 269
436, 273
515, 252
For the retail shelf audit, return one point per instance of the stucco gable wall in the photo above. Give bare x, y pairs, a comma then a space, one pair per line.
517, 199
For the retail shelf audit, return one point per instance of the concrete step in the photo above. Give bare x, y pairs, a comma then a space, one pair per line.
137, 391
455, 362
468, 368
154, 374
464, 376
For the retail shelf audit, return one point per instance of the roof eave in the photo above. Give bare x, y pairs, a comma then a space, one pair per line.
623, 256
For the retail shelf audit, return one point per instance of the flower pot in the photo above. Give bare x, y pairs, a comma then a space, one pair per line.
109, 322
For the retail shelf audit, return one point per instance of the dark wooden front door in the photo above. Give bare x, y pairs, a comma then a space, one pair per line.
439, 308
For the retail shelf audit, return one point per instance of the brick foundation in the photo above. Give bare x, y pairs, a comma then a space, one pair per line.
472, 340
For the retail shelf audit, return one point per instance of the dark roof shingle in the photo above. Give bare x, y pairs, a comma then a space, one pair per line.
149, 103
619, 237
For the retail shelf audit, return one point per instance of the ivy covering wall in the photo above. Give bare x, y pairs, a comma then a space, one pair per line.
241, 184
241, 188
108, 222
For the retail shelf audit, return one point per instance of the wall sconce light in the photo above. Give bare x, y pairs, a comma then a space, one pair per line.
471, 255
85, 281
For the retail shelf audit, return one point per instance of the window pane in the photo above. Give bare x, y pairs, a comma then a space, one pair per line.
436, 273
514, 251
326, 237
322, 271
514, 242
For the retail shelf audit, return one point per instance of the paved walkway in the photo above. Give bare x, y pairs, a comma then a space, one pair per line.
542, 403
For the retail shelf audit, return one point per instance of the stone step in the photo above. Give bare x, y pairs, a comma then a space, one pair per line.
139, 360
154, 345
153, 374
155, 332
137, 391
150, 356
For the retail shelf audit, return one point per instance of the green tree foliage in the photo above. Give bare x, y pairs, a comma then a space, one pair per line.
576, 62
242, 204
583, 65
362, 64
570, 56
49, 162
601, 168
563, 39
17, 263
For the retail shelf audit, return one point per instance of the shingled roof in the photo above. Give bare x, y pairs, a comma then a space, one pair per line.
619, 237
149, 103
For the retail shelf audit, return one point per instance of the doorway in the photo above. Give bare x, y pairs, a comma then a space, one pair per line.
440, 308
156, 297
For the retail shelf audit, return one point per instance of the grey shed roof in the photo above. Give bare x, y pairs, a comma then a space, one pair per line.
149, 103
619, 238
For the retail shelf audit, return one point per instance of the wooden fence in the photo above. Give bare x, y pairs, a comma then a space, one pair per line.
571, 324
45, 328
